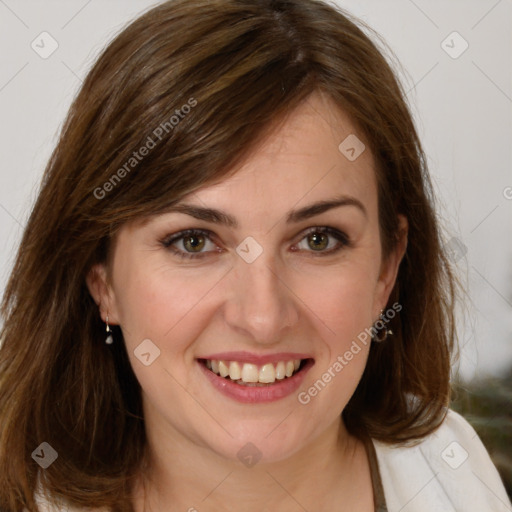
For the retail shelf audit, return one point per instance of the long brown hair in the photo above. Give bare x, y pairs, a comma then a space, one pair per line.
238, 66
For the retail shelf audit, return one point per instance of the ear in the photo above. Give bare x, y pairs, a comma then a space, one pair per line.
389, 267
102, 293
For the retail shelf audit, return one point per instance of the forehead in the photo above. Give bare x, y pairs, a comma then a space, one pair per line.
315, 153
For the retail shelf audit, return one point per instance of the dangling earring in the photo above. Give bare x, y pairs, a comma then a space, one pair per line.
385, 332
110, 338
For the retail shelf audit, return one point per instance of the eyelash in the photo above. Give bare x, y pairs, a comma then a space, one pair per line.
170, 240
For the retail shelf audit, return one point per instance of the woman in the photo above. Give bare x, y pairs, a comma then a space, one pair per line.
231, 292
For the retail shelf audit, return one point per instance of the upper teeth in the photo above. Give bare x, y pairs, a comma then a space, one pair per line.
248, 372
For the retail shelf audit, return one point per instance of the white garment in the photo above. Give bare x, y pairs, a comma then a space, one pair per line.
448, 471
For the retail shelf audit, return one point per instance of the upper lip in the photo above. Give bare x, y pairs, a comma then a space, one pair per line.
248, 357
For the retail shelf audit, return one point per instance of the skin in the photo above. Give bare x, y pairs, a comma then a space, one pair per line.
291, 298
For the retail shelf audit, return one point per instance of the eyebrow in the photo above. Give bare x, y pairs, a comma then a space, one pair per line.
293, 216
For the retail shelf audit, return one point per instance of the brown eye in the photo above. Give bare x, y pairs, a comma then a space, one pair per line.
190, 243
318, 241
194, 243
323, 241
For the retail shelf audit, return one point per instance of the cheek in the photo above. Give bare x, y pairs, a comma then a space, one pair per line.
157, 302
348, 315
341, 297
344, 306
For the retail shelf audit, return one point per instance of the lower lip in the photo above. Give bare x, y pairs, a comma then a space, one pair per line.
257, 394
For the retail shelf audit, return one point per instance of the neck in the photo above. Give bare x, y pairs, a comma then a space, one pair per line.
194, 477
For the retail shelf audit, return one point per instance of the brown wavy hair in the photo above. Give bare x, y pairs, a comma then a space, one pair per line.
240, 65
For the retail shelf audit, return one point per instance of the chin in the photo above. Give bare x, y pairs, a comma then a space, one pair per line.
263, 444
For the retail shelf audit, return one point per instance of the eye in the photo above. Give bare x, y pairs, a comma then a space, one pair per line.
317, 239
192, 242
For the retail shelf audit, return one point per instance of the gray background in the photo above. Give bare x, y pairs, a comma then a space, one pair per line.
462, 108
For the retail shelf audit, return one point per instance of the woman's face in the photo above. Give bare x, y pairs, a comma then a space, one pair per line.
282, 281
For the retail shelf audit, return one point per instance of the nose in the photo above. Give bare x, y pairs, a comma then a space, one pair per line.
262, 306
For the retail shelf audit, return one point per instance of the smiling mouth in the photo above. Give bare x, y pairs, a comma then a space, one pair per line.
248, 374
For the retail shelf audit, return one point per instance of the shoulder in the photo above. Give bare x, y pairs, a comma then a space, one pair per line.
449, 468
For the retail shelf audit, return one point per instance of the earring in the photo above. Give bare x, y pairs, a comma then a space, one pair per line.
110, 338
385, 333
